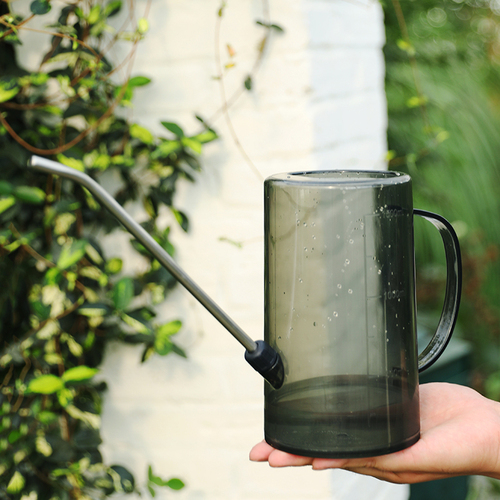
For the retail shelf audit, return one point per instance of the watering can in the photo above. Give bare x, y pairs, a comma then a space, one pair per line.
340, 351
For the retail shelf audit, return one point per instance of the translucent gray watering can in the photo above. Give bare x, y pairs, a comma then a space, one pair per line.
340, 349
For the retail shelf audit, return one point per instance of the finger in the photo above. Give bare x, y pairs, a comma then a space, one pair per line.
260, 452
282, 459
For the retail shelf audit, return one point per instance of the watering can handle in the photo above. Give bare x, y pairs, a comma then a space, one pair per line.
453, 291
258, 353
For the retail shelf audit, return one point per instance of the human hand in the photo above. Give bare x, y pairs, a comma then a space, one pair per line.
460, 435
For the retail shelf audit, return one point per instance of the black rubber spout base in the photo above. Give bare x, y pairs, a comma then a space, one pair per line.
267, 362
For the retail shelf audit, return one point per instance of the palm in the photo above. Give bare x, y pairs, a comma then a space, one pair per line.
460, 434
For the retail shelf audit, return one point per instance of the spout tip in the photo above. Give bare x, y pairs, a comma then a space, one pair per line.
265, 360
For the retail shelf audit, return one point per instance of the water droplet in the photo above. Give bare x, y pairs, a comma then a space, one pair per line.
305, 249
344, 200
300, 280
336, 314
338, 236
314, 237
347, 262
379, 271
351, 241
305, 224
314, 323
291, 329
313, 224
349, 291
339, 286
279, 338
329, 319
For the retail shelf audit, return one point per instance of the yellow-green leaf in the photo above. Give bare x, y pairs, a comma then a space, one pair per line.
45, 384
71, 162
16, 483
71, 253
79, 374
142, 26
141, 133
6, 203
192, 144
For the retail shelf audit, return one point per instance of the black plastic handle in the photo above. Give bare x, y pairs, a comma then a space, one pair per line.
453, 292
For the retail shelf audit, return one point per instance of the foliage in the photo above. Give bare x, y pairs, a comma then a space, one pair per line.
62, 299
443, 76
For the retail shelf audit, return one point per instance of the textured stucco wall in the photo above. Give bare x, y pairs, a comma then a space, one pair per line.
317, 103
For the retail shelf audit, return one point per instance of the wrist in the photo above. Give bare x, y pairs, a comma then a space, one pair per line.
495, 472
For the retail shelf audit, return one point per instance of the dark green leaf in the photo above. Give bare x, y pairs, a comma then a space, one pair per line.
127, 481
177, 350
248, 82
174, 128
6, 188
30, 194
40, 7
181, 218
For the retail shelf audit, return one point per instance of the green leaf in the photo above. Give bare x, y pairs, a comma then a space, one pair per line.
139, 81
163, 344
174, 128
16, 483
204, 137
94, 14
192, 144
40, 7
134, 323
93, 310
71, 162
45, 384
142, 25
71, 253
30, 194
114, 265
6, 188
181, 218
175, 484
141, 133
112, 8
177, 350
8, 89
123, 293
166, 148
14, 436
248, 82
79, 374
6, 203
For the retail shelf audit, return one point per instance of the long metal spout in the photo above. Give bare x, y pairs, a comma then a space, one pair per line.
273, 369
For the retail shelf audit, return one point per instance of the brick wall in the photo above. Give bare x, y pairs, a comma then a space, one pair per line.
317, 103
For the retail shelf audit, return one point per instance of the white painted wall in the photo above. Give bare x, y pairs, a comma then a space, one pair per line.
318, 103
